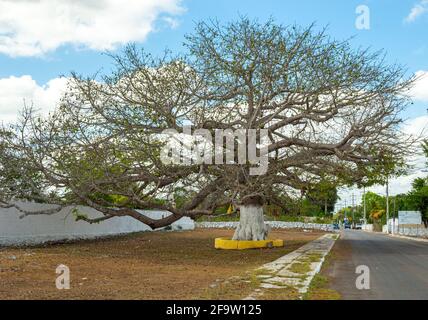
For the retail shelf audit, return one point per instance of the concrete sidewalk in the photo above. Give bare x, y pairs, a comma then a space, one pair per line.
296, 269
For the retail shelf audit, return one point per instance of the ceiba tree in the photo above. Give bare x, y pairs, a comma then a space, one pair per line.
328, 110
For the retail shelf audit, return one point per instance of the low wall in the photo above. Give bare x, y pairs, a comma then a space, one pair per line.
37, 229
406, 230
367, 227
273, 224
413, 232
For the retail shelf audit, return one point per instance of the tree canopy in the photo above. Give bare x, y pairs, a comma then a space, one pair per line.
329, 110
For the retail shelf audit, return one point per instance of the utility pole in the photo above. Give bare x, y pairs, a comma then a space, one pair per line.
393, 217
353, 209
345, 210
364, 204
387, 204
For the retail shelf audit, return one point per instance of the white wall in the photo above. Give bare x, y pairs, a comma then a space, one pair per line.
62, 226
273, 224
405, 230
420, 231
368, 227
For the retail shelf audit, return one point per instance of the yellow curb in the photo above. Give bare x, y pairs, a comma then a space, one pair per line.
228, 244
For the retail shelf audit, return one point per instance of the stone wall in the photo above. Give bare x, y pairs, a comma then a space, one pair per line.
413, 232
273, 224
37, 229
367, 227
420, 231
406, 230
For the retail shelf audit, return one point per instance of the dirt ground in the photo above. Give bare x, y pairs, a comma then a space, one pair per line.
157, 265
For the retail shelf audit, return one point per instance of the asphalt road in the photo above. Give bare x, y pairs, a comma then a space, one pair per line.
398, 267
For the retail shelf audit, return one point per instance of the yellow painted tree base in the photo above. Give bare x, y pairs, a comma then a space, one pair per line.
228, 244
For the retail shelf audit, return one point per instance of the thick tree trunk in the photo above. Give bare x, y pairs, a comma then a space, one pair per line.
251, 225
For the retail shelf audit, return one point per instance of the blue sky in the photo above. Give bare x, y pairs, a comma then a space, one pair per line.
405, 43
42, 40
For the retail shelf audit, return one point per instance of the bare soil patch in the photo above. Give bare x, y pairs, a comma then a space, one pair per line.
151, 265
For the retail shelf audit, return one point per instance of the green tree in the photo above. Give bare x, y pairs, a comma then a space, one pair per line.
324, 195
417, 198
329, 110
374, 205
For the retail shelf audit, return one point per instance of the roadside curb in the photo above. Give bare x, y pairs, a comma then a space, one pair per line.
406, 237
398, 236
295, 270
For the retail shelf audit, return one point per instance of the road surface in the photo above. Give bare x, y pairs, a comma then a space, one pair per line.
398, 267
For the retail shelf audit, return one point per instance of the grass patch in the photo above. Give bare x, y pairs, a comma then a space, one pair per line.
287, 293
318, 290
319, 287
313, 257
302, 277
254, 281
263, 272
277, 283
319, 281
300, 267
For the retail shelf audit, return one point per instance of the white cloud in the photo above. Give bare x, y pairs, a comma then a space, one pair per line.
14, 91
30, 28
420, 90
417, 10
416, 126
